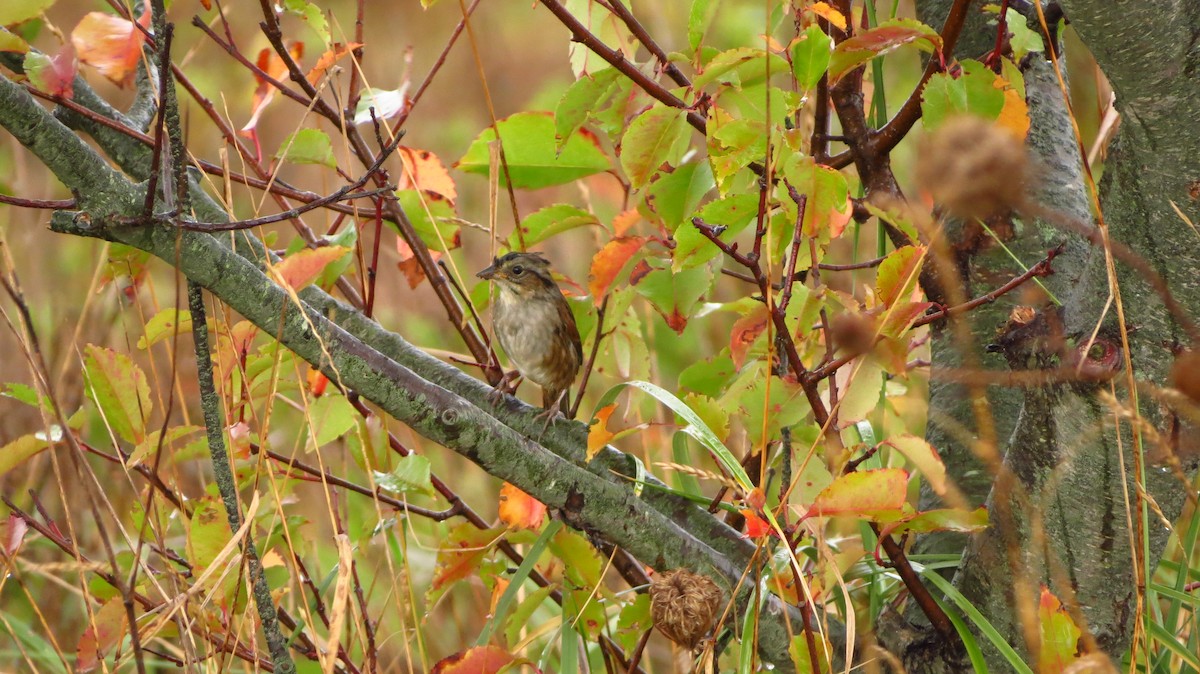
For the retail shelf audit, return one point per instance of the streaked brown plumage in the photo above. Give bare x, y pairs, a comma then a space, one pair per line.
534, 325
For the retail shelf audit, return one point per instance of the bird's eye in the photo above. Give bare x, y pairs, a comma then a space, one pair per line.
517, 270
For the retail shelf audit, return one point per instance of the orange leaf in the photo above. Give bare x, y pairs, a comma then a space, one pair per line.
423, 170
756, 527
1014, 116
598, 433
301, 268
520, 510
110, 44
823, 10
625, 221
609, 262
409, 265
274, 67
1060, 635
863, 493
478, 660
745, 331
110, 625
317, 382
330, 57
461, 552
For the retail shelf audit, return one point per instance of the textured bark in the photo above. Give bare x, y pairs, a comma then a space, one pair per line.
1059, 508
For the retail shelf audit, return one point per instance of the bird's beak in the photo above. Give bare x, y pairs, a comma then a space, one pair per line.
488, 273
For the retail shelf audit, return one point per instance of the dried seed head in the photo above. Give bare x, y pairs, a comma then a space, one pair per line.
685, 606
972, 167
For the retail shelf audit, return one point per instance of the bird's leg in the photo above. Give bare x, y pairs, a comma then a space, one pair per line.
507, 384
554, 408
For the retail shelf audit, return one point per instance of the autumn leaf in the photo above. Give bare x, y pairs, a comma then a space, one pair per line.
520, 510
423, 170
409, 265
745, 332
1060, 635
609, 262
12, 533
459, 556
924, 458
55, 74
110, 44
862, 494
756, 527
107, 629
478, 660
825, 11
598, 433
301, 268
269, 63
331, 56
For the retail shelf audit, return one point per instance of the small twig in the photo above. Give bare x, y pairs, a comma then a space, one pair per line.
636, 656
648, 42
580, 33
591, 361
49, 204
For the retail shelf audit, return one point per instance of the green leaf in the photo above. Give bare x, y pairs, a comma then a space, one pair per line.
810, 57
674, 294
332, 416
16, 11
311, 15
742, 66
947, 519
584, 97
534, 160
699, 19
733, 213
972, 93
517, 580
346, 237
657, 136
164, 325
633, 621
307, 146
828, 207
865, 493
16, 452
695, 428
708, 409
519, 620
119, 389
411, 474
208, 533
28, 395
150, 444
782, 403
549, 221
673, 196
708, 377
1021, 38
433, 218
733, 144
898, 274
887, 36
862, 396
12, 43
582, 567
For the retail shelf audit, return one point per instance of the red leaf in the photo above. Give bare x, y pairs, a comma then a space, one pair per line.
478, 660
54, 75
317, 382
609, 262
272, 65
12, 533
301, 268
520, 510
745, 331
110, 44
756, 527
864, 493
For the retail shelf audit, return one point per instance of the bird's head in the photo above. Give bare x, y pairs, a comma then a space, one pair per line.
522, 274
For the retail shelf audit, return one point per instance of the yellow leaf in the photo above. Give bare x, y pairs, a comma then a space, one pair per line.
823, 10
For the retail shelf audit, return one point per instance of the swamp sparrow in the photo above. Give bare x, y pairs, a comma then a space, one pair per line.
535, 327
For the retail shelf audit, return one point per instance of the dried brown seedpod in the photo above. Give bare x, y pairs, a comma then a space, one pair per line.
685, 606
973, 167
